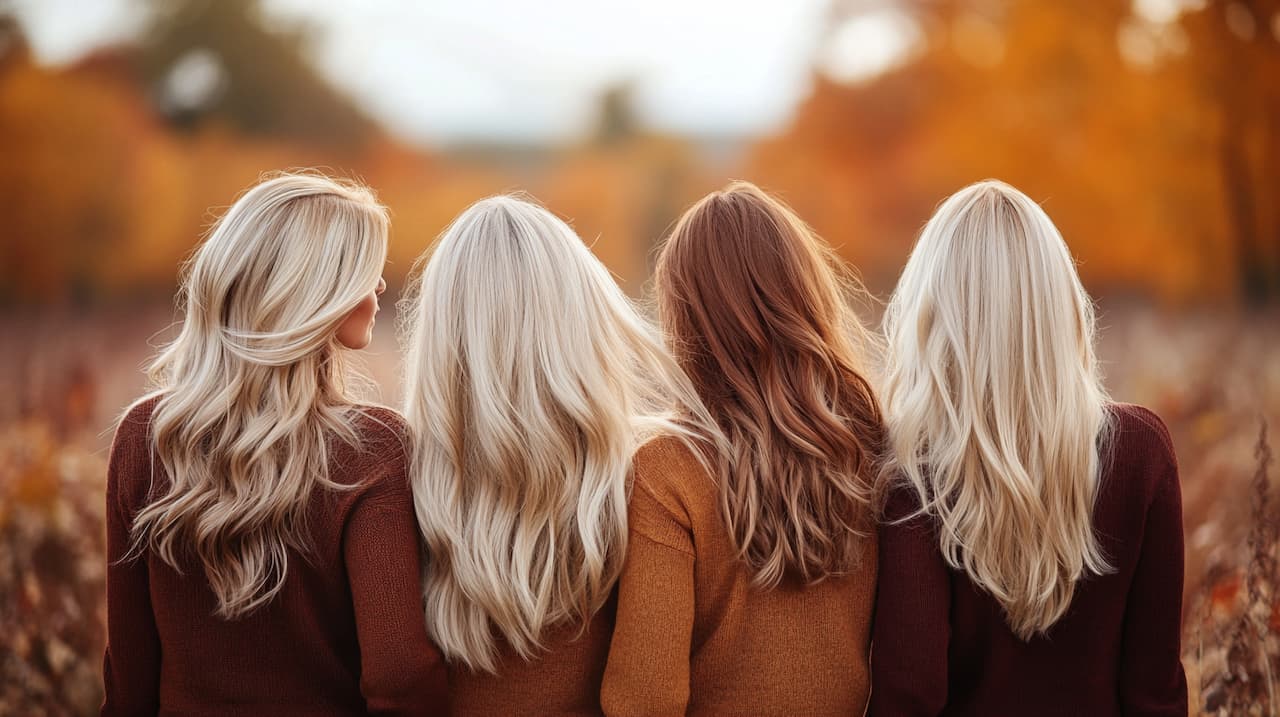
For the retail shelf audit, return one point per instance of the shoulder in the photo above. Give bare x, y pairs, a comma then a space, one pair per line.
1138, 459
1138, 434
135, 422
132, 472
900, 501
904, 521
381, 426
672, 484
667, 468
671, 495
132, 440
380, 453
665, 452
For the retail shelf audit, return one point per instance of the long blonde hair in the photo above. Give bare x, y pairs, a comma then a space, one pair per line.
530, 382
755, 309
995, 407
254, 387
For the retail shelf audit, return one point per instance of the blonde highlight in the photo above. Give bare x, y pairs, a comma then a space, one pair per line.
530, 383
255, 386
997, 416
756, 309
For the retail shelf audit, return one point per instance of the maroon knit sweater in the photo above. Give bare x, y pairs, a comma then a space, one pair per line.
941, 645
344, 636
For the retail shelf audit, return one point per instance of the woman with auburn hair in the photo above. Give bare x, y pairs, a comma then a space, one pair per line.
531, 380
749, 584
1031, 558
262, 553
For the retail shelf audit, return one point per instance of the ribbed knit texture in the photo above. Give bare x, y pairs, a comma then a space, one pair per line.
564, 680
694, 636
942, 646
344, 636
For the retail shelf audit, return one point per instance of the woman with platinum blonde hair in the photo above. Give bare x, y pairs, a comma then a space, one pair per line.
262, 553
531, 382
1031, 552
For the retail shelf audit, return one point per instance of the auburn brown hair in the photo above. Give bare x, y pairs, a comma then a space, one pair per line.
754, 305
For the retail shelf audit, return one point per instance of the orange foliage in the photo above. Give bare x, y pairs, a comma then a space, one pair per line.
1127, 159
103, 199
1160, 176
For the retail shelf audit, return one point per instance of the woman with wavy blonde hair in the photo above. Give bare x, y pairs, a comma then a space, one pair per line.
531, 381
1031, 558
262, 553
748, 587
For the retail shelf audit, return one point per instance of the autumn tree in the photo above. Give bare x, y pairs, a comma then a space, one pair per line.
1233, 66
1087, 111
223, 60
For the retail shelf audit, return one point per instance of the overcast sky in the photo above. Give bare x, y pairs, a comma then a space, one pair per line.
438, 71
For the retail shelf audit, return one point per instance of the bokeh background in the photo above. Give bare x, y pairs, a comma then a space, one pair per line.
1149, 130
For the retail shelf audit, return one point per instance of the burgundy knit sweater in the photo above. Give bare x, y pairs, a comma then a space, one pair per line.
942, 647
345, 635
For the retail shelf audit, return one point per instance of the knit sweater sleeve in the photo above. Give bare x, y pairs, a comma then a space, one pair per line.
912, 626
131, 664
402, 673
1152, 681
648, 667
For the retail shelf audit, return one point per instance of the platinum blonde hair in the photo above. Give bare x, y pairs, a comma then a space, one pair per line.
994, 403
254, 387
531, 380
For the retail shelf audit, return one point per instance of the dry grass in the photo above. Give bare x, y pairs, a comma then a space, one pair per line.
1235, 654
51, 573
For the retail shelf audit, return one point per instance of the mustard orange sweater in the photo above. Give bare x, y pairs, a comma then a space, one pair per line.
564, 680
694, 636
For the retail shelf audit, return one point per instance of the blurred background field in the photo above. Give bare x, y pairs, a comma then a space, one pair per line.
1150, 130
